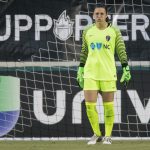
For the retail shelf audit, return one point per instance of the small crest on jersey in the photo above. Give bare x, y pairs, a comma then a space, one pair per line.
107, 38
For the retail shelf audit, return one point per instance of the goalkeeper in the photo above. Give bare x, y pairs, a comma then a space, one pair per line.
97, 70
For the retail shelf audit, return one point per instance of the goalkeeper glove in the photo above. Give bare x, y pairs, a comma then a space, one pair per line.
126, 76
80, 78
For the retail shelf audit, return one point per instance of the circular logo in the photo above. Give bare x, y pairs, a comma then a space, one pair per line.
92, 46
9, 103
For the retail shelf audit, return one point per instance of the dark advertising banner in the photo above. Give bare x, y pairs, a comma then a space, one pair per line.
27, 26
40, 42
50, 109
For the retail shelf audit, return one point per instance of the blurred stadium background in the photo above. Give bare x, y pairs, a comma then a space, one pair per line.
40, 42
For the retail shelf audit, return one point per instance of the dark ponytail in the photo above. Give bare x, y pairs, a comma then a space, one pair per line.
107, 19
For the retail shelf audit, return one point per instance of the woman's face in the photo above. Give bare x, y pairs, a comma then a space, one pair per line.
100, 15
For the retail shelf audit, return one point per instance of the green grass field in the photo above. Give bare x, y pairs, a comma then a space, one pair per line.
73, 145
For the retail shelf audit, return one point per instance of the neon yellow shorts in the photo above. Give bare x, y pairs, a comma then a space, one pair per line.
105, 86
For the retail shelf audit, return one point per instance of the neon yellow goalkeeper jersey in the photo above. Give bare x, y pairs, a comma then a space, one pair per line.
98, 49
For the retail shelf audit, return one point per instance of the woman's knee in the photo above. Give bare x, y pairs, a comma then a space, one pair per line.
90, 95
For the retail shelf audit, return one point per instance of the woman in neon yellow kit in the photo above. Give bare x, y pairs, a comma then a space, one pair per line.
97, 70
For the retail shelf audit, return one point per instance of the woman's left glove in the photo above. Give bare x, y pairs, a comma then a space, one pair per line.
126, 76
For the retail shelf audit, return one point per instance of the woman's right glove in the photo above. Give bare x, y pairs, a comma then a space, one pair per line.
80, 78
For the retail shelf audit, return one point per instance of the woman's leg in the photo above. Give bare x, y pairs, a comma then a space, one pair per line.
90, 102
108, 102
